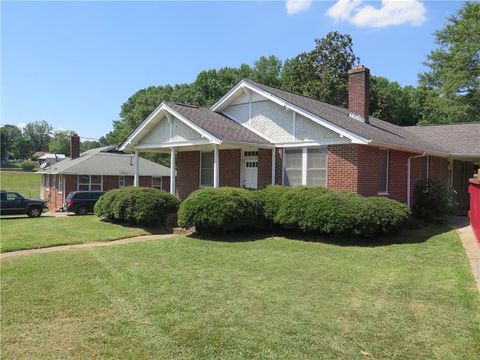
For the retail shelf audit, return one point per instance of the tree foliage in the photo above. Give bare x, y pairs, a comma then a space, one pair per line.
60, 142
452, 84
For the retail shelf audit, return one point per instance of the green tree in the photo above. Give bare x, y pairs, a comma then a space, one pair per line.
60, 142
8, 134
268, 71
38, 133
23, 148
89, 144
452, 84
323, 72
391, 102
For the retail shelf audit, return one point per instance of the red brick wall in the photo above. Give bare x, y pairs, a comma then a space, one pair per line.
438, 169
230, 161
397, 176
52, 193
358, 91
188, 172
264, 168
342, 172
368, 164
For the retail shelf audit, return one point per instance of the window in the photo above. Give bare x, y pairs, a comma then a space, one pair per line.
206, 169
317, 166
383, 172
424, 168
293, 167
157, 182
90, 182
45, 180
121, 181
250, 153
60, 183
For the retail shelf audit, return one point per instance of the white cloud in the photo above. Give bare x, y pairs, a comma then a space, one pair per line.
391, 12
295, 6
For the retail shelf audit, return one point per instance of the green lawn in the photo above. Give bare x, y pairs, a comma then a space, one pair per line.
263, 298
26, 183
19, 233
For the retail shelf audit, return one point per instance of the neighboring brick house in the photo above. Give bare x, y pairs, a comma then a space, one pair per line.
258, 135
100, 169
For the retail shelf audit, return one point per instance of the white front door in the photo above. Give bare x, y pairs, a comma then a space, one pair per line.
251, 173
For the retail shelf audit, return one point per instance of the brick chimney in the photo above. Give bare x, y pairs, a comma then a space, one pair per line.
358, 92
74, 146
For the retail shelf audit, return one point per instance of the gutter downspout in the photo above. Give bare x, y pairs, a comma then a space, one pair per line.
409, 175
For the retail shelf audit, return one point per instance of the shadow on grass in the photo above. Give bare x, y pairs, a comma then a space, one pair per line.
417, 233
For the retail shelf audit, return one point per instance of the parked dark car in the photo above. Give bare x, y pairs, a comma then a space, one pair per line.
12, 203
81, 202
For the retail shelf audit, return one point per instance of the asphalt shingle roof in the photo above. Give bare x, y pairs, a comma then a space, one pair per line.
217, 124
377, 130
106, 161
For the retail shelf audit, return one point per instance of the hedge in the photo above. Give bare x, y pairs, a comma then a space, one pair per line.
432, 200
217, 210
315, 209
136, 205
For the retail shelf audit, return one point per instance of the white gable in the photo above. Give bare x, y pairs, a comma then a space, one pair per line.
277, 123
161, 133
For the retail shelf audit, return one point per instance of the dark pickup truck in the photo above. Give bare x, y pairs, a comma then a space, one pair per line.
12, 203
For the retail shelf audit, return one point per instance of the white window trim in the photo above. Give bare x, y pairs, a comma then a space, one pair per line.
161, 182
386, 192
305, 165
60, 184
200, 171
89, 182
119, 184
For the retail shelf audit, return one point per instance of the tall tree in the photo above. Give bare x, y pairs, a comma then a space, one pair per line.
23, 148
8, 134
60, 142
323, 72
39, 134
268, 71
453, 80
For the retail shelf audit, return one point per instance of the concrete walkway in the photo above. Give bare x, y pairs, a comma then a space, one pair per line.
89, 245
472, 248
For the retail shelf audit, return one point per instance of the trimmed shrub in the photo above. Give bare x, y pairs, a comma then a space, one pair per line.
315, 209
432, 200
28, 165
217, 210
271, 200
136, 205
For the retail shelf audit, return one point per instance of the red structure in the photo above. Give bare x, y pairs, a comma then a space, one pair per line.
474, 212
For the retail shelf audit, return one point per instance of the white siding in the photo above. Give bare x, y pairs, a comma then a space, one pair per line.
161, 133
276, 122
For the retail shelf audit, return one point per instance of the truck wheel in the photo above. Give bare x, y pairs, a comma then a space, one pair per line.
34, 212
82, 210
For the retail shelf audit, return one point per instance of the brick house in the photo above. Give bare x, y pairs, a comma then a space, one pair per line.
100, 169
257, 135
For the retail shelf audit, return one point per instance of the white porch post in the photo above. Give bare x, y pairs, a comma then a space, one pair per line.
274, 153
136, 177
216, 165
172, 171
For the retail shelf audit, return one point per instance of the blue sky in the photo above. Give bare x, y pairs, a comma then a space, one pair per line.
73, 64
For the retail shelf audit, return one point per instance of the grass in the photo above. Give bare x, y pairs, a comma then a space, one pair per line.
20, 233
263, 298
25, 183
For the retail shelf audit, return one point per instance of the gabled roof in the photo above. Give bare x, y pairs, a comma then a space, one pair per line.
105, 161
219, 125
377, 131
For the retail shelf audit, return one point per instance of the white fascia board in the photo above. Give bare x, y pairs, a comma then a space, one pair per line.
194, 126
296, 144
243, 84
174, 144
142, 126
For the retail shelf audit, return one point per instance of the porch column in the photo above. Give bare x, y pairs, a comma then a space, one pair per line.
136, 176
172, 171
216, 165
274, 153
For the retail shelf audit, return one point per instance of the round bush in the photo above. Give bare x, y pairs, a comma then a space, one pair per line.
314, 209
432, 202
217, 210
270, 197
28, 165
136, 205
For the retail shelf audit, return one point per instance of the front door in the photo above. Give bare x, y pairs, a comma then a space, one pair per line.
251, 173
